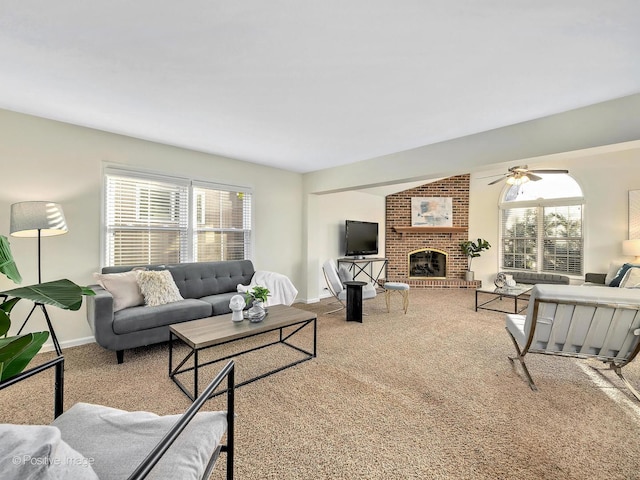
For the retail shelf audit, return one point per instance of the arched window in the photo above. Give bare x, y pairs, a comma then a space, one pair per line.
541, 226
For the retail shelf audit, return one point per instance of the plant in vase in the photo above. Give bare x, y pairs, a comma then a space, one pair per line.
17, 351
257, 296
473, 250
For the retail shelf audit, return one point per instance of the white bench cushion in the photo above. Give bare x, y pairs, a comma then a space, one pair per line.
118, 441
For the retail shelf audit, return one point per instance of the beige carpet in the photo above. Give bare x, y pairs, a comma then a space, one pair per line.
429, 394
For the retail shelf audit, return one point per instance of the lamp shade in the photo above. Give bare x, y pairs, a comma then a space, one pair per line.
27, 218
631, 248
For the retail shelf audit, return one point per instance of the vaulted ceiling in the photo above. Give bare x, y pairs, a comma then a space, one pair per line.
306, 85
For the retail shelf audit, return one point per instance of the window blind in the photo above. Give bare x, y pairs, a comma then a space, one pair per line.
519, 245
222, 224
146, 221
155, 219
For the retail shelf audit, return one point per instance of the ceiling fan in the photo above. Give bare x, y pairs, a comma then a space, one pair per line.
521, 174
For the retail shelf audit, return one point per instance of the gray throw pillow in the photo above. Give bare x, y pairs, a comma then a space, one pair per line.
345, 275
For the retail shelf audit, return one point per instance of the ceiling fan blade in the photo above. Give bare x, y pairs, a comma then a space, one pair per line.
533, 177
549, 171
497, 180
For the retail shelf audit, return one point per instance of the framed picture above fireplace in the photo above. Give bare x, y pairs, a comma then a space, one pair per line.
431, 212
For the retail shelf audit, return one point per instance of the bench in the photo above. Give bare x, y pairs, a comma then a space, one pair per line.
574, 321
95, 442
533, 278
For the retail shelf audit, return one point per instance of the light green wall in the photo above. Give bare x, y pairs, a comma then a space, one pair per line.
48, 160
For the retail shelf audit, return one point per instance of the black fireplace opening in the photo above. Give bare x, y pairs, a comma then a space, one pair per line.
428, 263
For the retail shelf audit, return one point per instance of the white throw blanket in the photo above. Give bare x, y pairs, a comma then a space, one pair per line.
281, 288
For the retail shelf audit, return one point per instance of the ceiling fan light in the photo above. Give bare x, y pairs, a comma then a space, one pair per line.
517, 180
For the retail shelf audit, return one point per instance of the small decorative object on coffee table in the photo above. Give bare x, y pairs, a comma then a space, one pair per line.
500, 280
258, 297
237, 304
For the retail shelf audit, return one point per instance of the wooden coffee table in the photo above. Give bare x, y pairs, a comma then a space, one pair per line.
220, 329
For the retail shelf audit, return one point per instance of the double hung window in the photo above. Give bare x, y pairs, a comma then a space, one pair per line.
152, 219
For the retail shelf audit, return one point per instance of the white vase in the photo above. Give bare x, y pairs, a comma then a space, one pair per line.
469, 276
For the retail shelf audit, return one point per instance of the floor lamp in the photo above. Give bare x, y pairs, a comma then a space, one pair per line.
38, 219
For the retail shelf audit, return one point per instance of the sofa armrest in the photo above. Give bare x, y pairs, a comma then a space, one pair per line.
595, 278
100, 315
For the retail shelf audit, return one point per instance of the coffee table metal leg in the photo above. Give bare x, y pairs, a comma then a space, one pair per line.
195, 374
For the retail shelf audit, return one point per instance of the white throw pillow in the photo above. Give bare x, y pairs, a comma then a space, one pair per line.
123, 287
613, 270
631, 279
38, 451
158, 287
120, 440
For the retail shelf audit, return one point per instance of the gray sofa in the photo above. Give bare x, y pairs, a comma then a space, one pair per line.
206, 288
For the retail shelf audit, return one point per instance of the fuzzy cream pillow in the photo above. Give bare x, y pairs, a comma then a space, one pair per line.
158, 287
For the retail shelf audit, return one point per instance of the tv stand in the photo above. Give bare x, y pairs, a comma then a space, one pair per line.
366, 267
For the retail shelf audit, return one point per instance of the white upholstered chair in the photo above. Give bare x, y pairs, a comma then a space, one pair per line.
581, 322
335, 279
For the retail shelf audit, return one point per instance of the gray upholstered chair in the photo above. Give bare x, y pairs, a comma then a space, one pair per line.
335, 279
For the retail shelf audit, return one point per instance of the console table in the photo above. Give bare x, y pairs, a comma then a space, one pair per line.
366, 267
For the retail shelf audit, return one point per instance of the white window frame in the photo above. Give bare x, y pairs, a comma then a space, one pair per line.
539, 205
188, 253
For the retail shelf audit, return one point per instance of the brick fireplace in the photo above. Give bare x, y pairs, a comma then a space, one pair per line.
427, 257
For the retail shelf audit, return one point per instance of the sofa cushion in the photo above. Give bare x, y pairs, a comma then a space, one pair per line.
135, 319
200, 279
219, 303
118, 441
38, 452
123, 287
158, 288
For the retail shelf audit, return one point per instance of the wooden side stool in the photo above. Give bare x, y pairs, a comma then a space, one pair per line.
401, 288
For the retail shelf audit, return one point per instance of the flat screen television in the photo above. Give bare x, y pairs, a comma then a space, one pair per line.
361, 238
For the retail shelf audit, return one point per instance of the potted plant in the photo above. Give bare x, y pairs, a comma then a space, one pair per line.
473, 250
17, 351
258, 297
258, 293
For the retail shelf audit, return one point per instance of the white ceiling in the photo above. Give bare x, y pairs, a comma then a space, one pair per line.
305, 85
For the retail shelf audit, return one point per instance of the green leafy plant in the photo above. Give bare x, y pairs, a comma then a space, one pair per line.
17, 351
473, 249
258, 293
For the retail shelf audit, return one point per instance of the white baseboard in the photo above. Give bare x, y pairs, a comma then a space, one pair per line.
48, 347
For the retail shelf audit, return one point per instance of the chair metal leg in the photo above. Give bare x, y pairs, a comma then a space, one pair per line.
341, 307
520, 357
618, 371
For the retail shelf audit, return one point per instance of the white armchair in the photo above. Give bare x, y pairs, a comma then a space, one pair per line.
575, 321
336, 287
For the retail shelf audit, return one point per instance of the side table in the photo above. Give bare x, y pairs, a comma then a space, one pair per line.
354, 301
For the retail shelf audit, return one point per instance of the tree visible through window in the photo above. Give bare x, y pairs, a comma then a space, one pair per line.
150, 219
541, 226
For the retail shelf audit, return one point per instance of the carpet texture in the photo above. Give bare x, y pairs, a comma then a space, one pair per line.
429, 394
